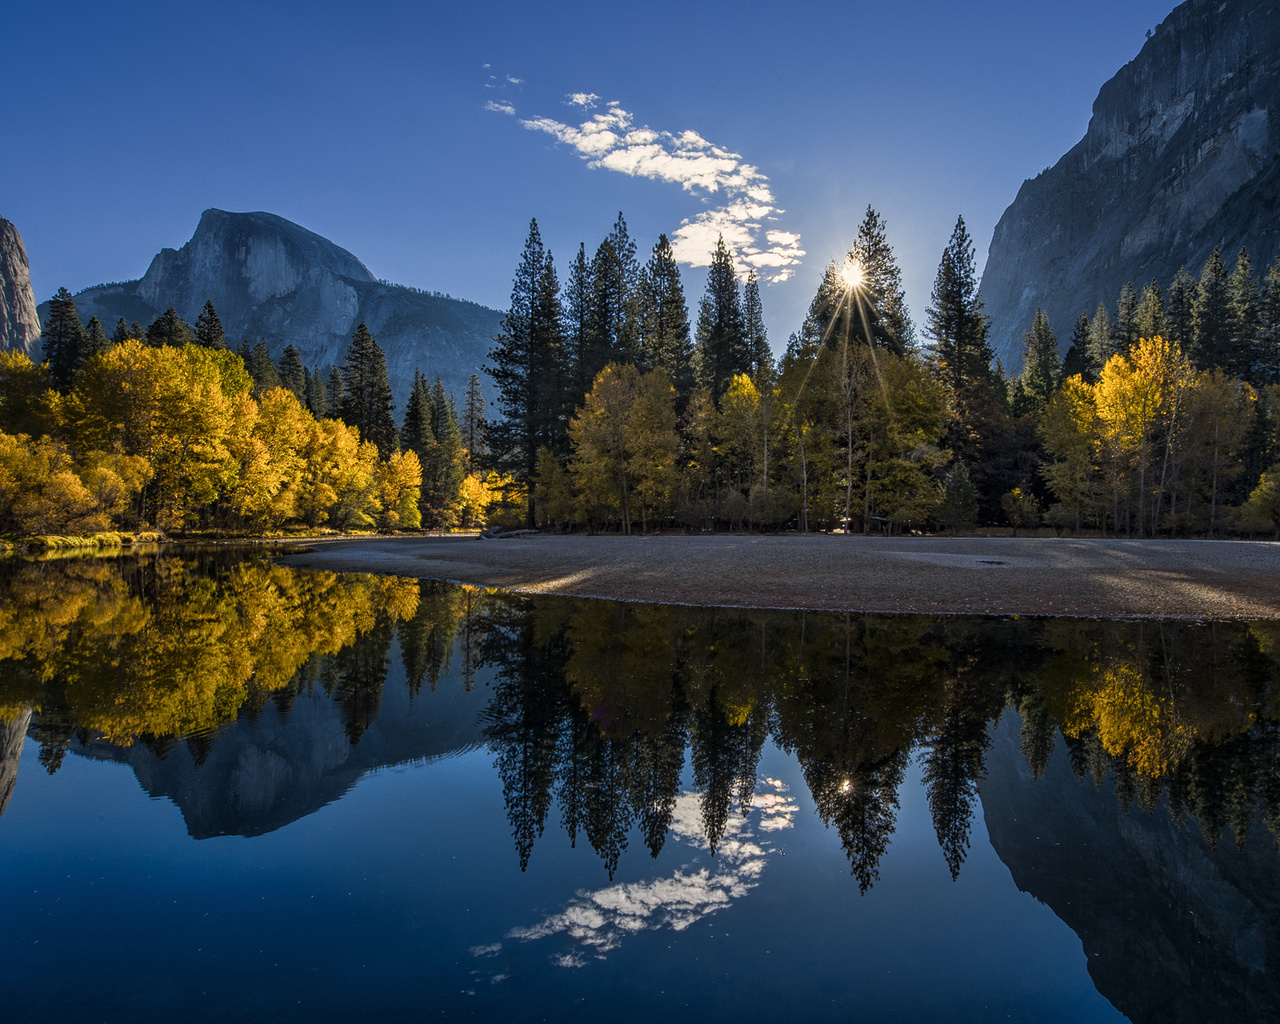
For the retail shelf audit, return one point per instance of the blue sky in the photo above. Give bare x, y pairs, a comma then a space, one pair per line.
385, 127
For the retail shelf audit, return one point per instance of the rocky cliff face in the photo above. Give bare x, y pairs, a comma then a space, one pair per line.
1182, 154
271, 280
19, 323
1173, 931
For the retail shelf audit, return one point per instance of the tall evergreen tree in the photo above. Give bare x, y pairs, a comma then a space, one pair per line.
1268, 347
121, 333
1076, 361
317, 402
334, 388
366, 397
1180, 302
169, 329
1101, 340
209, 328
664, 321
871, 310
417, 433
576, 309
63, 339
1124, 332
957, 326
442, 471
757, 339
474, 424
1242, 319
722, 345
1210, 316
262, 369
525, 362
95, 341
885, 308
1150, 321
1040, 363
292, 373
613, 329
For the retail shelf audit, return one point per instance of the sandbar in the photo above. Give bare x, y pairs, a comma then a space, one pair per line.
1161, 579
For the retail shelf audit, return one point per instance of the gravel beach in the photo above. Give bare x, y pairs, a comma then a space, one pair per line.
969, 575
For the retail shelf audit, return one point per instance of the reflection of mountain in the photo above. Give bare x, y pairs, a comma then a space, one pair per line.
1173, 931
12, 734
264, 771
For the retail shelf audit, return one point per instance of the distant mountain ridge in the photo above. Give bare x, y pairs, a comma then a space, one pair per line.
273, 280
1182, 154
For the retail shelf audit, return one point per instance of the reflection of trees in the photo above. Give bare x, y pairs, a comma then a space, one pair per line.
169, 647
596, 703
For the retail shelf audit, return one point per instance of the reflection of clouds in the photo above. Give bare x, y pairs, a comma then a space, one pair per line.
598, 920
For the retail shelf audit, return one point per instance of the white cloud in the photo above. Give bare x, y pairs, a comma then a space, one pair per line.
515, 81
501, 108
610, 139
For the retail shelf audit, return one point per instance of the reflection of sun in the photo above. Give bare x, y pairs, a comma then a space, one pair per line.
852, 273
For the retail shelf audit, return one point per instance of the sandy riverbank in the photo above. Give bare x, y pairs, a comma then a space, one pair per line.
975, 575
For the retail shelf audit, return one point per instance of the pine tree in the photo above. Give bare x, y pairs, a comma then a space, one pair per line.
1268, 348
576, 309
1180, 303
474, 425
292, 373
664, 322
209, 328
169, 329
417, 434
885, 305
1040, 363
1124, 332
63, 339
121, 333
1076, 361
1150, 320
526, 363
1242, 320
1101, 345
613, 329
757, 339
1210, 316
334, 388
957, 326
442, 469
317, 400
245, 352
95, 341
366, 399
262, 369
722, 347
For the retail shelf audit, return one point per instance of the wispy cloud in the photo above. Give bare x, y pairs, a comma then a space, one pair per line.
500, 108
611, 139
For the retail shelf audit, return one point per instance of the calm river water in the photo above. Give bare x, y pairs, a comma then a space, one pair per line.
236, 791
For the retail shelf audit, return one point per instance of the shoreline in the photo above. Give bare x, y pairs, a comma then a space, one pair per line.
1002, 576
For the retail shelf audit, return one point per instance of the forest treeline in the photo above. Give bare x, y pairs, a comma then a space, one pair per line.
620, 413
165, 427
597, 706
